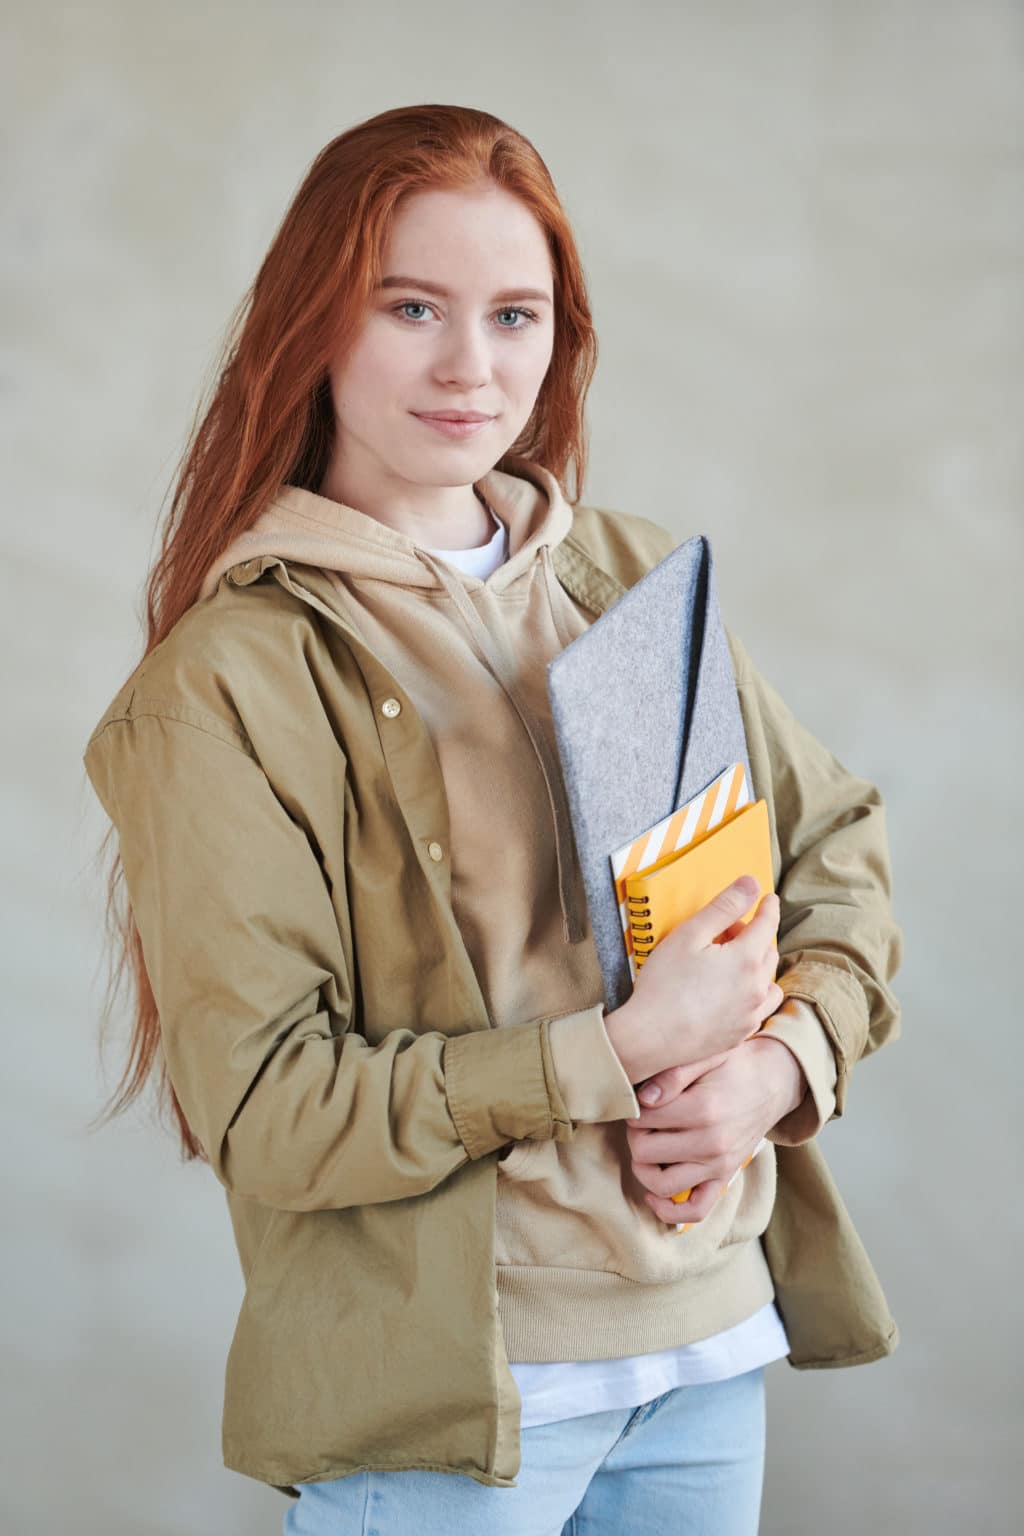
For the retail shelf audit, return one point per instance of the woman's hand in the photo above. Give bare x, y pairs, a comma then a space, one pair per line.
707, 1122
705, 987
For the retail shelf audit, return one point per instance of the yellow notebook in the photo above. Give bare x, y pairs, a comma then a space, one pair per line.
677, 886
712, 805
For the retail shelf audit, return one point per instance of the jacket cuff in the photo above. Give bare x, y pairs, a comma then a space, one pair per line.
840, 1003
797, 1025
501, 1086
593, 1080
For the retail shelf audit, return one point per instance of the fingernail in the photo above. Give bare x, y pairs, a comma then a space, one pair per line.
649, 1095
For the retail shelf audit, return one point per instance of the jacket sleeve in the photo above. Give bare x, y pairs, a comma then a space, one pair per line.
592, 1078
839, 944
243, 948
800, 1028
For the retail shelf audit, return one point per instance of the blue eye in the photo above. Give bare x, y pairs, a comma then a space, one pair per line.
530, 317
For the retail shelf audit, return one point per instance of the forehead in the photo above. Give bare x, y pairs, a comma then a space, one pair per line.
465, 237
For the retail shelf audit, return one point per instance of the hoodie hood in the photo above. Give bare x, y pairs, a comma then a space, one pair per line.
310, 529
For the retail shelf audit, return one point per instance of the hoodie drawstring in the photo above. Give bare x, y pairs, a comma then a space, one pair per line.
573, 926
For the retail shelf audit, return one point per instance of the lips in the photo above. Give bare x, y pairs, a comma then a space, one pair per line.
453, 415
452, 424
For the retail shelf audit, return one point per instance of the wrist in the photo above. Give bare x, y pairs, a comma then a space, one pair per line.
627, 1038
791, 1085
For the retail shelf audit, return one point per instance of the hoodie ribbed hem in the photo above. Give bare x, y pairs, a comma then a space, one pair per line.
550, 1314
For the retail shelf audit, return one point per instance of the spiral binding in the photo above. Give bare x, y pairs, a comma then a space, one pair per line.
640, 932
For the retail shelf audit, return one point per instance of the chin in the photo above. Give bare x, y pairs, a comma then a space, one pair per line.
451, 463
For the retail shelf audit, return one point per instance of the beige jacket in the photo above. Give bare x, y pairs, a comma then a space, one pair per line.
359, 1015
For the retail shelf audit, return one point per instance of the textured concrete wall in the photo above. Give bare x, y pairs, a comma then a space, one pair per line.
802, 225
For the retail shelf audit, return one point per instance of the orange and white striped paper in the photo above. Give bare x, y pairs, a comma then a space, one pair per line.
713, 805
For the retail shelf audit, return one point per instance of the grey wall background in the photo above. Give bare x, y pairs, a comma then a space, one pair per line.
803, 229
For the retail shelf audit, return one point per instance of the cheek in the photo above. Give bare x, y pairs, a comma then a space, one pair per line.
525, 371
376, 374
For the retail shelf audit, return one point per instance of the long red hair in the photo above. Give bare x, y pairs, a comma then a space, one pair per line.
270, 420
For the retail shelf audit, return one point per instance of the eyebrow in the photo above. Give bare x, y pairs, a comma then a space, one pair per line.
505, 297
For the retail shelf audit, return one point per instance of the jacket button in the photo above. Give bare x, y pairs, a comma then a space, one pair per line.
391, 708
436, 851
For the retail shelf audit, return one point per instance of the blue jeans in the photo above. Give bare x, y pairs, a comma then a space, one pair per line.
688, 1462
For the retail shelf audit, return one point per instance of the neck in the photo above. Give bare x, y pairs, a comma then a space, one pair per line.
437, 516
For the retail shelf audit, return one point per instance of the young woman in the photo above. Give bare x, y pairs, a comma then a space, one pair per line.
356, 926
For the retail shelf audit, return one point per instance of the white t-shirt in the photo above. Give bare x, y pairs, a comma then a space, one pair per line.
562, 1389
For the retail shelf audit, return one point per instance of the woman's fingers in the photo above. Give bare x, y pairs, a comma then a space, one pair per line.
654, 1146
703, 1198
667, 1085
664, 1086
756, 936
765, 919
667, 1179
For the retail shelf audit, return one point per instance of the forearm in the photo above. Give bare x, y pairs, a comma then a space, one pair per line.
797, 1062
644, 1049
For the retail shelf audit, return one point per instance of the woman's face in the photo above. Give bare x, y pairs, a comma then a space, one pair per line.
463, 321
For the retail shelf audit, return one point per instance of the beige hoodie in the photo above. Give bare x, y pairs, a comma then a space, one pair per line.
472, 655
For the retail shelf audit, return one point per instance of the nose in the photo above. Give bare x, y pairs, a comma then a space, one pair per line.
465, 358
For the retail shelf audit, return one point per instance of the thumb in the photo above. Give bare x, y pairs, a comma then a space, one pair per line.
666, 1085
723, 911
